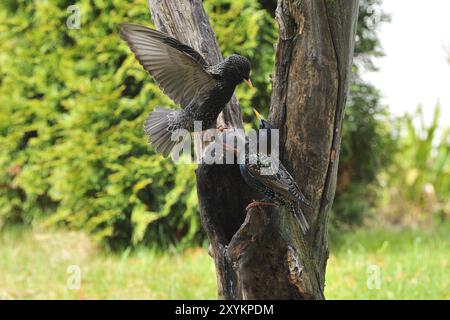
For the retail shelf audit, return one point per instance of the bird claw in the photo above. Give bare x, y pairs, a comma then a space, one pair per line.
255, 204
222, 128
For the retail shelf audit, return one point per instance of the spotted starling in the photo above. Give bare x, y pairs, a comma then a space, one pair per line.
182, 73
278, 188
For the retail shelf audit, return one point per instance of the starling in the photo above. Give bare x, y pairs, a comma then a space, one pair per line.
182, 73
278, 188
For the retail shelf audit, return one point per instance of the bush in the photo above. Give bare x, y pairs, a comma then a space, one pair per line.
418, 180
73, 102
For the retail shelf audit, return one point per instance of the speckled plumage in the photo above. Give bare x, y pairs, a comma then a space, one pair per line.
202, 90
279, 188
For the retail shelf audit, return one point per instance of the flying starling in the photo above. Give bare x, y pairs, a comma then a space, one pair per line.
182, 73
278, 188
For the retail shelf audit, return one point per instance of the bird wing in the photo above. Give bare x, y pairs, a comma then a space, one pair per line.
178, 69
280, 182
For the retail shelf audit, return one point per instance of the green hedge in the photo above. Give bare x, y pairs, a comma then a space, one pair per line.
73, 102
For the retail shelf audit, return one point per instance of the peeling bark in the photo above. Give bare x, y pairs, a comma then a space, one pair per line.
261, 254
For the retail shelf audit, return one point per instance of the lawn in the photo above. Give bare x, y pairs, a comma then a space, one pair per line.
365, 264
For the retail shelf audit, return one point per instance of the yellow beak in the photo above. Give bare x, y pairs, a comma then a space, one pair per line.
248, 82
257, 114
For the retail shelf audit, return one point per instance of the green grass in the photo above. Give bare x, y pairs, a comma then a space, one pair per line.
33, 265
411, 264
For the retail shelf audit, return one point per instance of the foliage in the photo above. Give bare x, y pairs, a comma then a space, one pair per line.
73, 102
368, 46
418, 181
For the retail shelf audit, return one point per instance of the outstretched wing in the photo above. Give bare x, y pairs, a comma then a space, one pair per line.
178, 69
281, 181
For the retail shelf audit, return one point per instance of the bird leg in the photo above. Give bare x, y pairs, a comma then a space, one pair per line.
255, 204
222, 128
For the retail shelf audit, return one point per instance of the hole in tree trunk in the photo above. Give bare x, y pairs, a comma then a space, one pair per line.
223, 195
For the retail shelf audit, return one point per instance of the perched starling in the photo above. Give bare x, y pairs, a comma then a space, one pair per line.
278, 188
183, 74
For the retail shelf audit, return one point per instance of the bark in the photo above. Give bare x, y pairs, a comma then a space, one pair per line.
261, 254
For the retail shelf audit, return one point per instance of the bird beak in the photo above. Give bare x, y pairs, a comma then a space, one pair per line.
257, 114
249, 83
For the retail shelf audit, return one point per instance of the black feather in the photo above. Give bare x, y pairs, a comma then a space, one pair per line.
183, 74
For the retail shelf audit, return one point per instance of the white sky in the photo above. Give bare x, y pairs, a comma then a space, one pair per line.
415, 69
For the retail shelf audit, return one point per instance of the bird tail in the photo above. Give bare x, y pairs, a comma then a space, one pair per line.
157, 126
304, 225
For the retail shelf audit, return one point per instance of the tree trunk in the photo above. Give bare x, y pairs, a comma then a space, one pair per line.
261, 253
